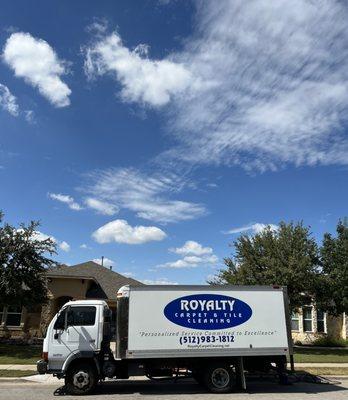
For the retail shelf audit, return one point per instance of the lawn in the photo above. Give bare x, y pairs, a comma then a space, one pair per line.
15, 373
17, 354
324, 355
334, 371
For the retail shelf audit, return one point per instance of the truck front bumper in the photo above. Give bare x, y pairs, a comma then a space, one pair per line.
41, 367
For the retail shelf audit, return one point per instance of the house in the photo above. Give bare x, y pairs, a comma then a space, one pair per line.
309, 324
87, 280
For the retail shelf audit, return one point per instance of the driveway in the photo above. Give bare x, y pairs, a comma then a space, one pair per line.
184, 390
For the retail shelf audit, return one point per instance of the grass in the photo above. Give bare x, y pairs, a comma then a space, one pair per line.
335, 371
19, 354
15, 373
26, 354
324, 355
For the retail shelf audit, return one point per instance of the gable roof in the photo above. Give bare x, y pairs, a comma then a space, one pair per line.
108, 281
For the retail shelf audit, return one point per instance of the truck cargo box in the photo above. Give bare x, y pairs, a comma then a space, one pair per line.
202, 321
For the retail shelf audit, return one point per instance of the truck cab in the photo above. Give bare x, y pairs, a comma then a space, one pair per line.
77, 332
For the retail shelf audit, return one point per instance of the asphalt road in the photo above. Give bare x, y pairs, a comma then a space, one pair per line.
187, 390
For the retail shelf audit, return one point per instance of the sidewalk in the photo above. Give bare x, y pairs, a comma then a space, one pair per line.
32, 367
19, 367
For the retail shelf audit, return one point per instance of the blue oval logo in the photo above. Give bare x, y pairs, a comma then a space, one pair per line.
207, 311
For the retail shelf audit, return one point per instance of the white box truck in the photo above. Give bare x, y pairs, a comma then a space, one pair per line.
213, 333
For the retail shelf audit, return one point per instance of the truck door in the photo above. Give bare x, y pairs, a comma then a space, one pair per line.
82, 328
75, 329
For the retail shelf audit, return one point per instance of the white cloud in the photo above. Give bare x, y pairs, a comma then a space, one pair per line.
159, 281
143, 80
84, 246
64, 246
43, 236
120, 231
193, 248
276, 85
102, 207
146, 194
8, 101
106, 262
193, 255
254, 228
34, 60
64, 198
191, 262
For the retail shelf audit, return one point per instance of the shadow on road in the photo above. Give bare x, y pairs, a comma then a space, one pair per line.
189, 386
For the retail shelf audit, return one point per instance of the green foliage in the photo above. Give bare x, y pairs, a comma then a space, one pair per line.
288, 257
327, 341
334, 254
23, 260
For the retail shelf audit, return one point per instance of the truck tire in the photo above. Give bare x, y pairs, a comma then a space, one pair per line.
219, 378
81, 378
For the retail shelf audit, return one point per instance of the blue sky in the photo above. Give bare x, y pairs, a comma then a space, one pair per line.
154, 132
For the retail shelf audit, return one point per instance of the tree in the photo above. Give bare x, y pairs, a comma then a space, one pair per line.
334, 254
288, 256
23, 261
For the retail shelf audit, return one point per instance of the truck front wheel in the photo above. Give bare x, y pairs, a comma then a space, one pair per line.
219, 378
81, 378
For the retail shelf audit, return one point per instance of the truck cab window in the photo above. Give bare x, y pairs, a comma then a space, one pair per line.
81, 315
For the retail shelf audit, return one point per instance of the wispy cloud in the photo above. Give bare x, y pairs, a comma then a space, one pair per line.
102, 207
152, 82
35, 60
148, 195
119, 231
66, 199
253, 228
8, 101
276, 85
258, 84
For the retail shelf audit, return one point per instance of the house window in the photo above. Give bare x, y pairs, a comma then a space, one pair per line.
295, 321
13, 316
307, 319
320, 321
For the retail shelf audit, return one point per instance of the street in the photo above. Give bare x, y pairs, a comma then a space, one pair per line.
184, 390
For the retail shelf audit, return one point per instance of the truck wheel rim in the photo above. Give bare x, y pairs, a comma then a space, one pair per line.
220, 378
81, 379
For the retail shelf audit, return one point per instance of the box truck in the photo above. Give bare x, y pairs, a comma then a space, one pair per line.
212, 333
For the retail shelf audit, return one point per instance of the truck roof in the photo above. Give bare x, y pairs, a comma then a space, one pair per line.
86, 303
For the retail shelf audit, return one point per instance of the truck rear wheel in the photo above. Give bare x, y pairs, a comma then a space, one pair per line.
81, 378
219, 378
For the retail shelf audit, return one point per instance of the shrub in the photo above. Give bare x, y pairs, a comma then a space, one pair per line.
327, 341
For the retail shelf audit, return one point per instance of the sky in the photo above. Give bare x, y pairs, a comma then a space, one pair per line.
154, 133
